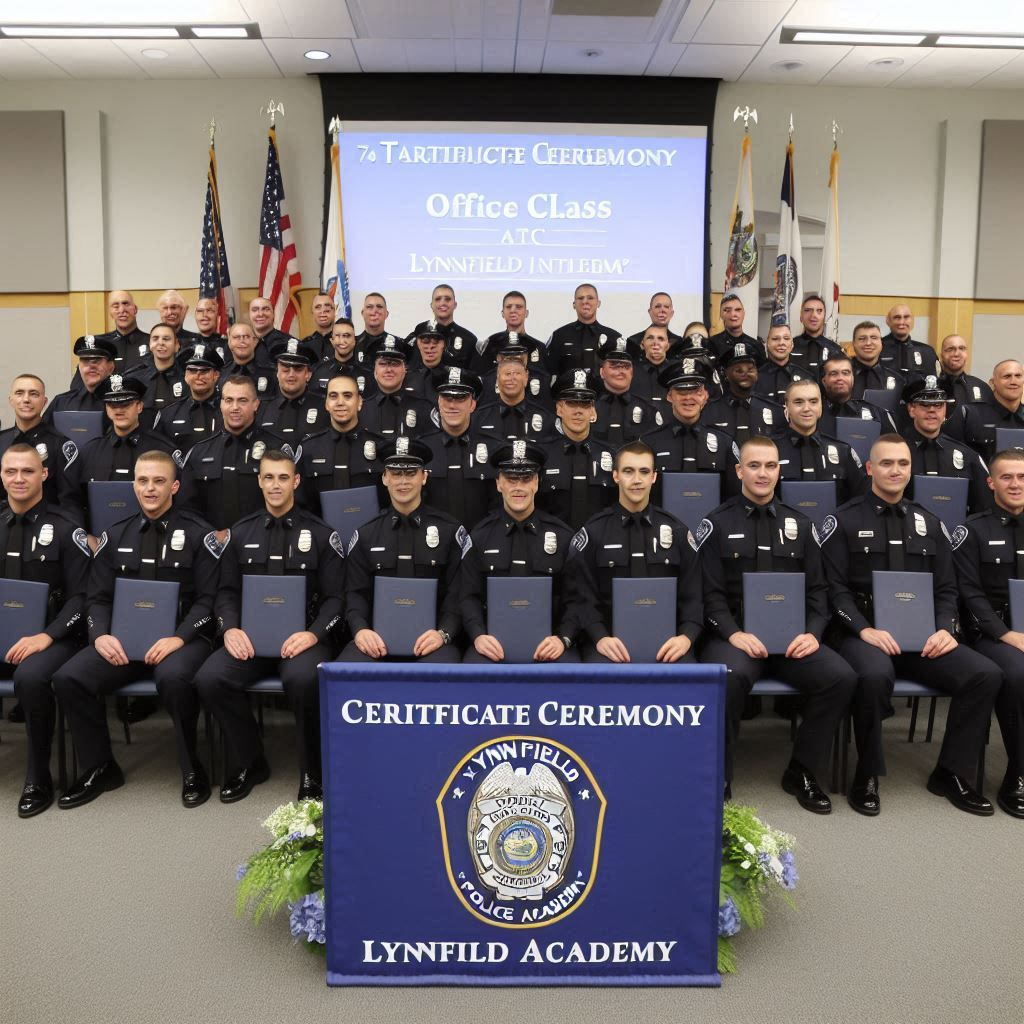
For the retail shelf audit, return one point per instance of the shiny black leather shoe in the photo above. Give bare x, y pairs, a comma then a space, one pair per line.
863, 797
238, 787
310, 788
34, 800
195, 790
87, 787
804, 786
942, 782
1011, 795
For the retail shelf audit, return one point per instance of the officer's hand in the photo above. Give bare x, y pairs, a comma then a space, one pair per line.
613, 649
297, 643
1013, 638
109, 648
489, 647
27, 646
370, 643
939, 643
882, 639
164, 646
238, 644
802, 645
550, 648
428, 642
748, 644
674, 648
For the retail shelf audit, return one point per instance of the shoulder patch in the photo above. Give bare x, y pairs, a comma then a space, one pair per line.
156, 418
690, 540
335, 541
290, 452
958, 536
102, 544
702, 534
70, 452
945, 532
464, 540
352, 542
856, 458
736, 451
828, 527
580, 538
179, 458
81, 539
214, 545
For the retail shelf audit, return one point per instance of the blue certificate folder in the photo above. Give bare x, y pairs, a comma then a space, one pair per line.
403, 610
774, 608
1009, 437
23, 608
109, 501
690, 496
859, 434
79, 426
943, 496
815, 498
519, 614
882, 398
273, 607
1016, 604
144, 611
644, 614
905, 606
346, 510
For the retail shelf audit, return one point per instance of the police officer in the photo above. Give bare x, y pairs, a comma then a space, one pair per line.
514, 313
172, 310
515, 414
695, 346
883, 530
207, 316
660, 311
837, 383
161, 373
635, 539
754, 532
538, 379
427, 355
220, 478
324, 312
342, 357
517, 540
127, 341
41, 544
459, 342
868, 369
779, 369
576, 482
980, 420
959, 384
374, 314
96, 358
392, 410
810, 347
576, 345
261, 316
297, 410
196, 416
740, 412
622, 415
407, 539
911, 359
248, 360
166, 543
989, 552
282, 539
732, 315
654, 346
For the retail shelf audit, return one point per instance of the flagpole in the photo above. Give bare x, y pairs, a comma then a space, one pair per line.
830, 268
334, 273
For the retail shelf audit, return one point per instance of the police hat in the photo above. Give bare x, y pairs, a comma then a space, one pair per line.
575, 384
454, 380
404, 453
513, 346
518, 458
620, 348
389, 345
927, 391
693, 346
430, 330
293, 353
685, 374
124, 389
90, 347
742, 351
203, 355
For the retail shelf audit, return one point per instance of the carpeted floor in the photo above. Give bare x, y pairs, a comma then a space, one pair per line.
123, 911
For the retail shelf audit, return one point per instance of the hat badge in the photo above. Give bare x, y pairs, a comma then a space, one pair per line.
293, 347
90, 341
199, 351
740, 350
931, 383
579, 378
116, 382
513, 337
519, 450
432, 324
402, 445
688, 365
455, 375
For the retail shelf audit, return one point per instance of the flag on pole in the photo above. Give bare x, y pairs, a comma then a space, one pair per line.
279, 279
334, 276
742, 263
830, 254
214, 279
788, 263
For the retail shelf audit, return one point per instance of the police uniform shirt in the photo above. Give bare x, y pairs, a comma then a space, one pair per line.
320, 343
945, 457
543, 546
538, 387
911, 359
54, 550
645, 384
329, 367
605, 552
218, 341
308, 548
401, 414
132, 348
335, 460
436, 548
526, 420
187, 338
821, 458
988, 552
81, 400
683, 448
163, 387
638, 338
185, 552
484, 356
575, 346
718, 344
624, 418
772, 379
812, 353
461, 482
979, 421
867, 533
269, 341
294, 419
188, 421
56, 451
576, 481
459, 343
857, 409
741, 417
966, 389
878, 377
740, 537
364, 340
261, 370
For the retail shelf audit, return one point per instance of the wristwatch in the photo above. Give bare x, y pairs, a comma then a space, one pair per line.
566, 641
446, 638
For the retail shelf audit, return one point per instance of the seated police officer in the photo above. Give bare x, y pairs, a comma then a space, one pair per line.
622, 415
281, 539
988, 551
517, 540
779, 369
162, 542
374, 313
196, 416
160, 373
42, 544
634, 539
576, 345
740, 412
297, 410
837, 383
95, 365
884, 531
459, 343
754, 532
514, 414
407, 539
393, 409
341, 357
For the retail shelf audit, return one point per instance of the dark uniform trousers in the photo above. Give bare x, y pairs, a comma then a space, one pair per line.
1010, 699
446, 654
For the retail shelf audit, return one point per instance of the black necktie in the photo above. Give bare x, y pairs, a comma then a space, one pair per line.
808, 470
121, 463
520, 564
689, 439
763, 539
12, 548
456, 455
742, 407
406, 567
201, 418
617, 412
275, 547
163, 390
578, 483
390, 419
931, 456
342, 461
230, 484
289, 417
149, 549
637, 554
894, 539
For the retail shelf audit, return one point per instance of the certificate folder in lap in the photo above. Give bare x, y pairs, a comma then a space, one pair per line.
273, 607
23, 607
859, 434
1016, 605
644, 615
403, 610
1009, 437
690, 496
774, 609
815, 498
905, 607
79, 426
943, 496
346, 510
109, 501
144, 611
519, 614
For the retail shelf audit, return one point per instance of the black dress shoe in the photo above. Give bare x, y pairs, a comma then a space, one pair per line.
942, 782
803, 785
1011, 795
87, 787
310, 788
863, 796
34, 800
238, 787
195, 790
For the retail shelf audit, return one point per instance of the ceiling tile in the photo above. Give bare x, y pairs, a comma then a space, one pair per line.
665, 58
568, 59
269, 14
89, 58
817, 62
954, 68
530, 56
327, 18
237, 58
467, 20
714, 61
501, 19
182, 60
604, 30
691, 19
19, 60
499, 54
407, 19
381, 54
858, 67
289, 56
534, 22
741, 21
429, 55
1009, 76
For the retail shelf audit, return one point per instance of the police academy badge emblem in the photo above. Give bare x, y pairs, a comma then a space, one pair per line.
521, 820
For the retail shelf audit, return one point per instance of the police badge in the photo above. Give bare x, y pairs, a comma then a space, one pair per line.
536, 423
176, 389
890, 384
433, 537
550, 542
665, 535
865, 414
481, 453
606, 461
638, 414
920, 525
45, 537
917, 359
457, 343
43, 451
833, 455
261, 384
257, 450
711, 440
178, 540
977, 393
958, 459
535, 386
766, 415
790, 529
410, 418
305, 541
369, 451
311, 415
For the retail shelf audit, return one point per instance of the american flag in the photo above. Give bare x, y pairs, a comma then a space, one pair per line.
214, 279
280, 279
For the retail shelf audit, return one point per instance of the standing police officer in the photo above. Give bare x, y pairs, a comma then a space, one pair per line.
577, 345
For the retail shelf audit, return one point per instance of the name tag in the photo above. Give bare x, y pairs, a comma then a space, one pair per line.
736, 536
319, 462
491, 551
126, 550
865, 533
252, 545
378, 549
609, 546
990, 542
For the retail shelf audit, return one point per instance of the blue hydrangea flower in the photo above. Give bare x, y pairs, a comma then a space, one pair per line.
728, 918
241, 872
789, 875
294, 836
307, 918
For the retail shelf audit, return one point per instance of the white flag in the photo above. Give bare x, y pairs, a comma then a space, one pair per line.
830, 254
742, 263
334, 275
789, 262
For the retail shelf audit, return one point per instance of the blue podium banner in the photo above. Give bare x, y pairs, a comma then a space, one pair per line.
522, 825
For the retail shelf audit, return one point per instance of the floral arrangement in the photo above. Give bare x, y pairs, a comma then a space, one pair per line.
756, 860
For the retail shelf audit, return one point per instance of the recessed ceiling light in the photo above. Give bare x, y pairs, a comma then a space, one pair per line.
886, 62
869, 38
316, 55
788, 65
591, 52
1011, 41
89, 32
220, 32
153, 54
